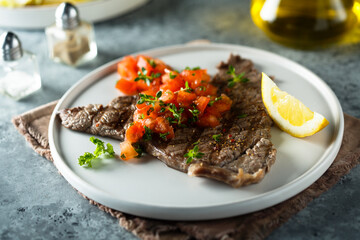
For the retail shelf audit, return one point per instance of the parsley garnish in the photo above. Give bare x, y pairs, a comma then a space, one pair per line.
213, 101
163, 135
202, 88
176, 113
148, 134
138, 149
195, 112
242, 115
235, 78
142, 75
100, 150
142, 116
193, 153
217, 137
151, 62
148, 99
193, 69
187, 88
172, 76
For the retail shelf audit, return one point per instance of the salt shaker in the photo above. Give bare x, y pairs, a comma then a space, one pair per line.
70, 40
19, 72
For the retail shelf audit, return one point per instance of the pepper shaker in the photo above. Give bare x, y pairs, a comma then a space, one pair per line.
19, 72
70, 40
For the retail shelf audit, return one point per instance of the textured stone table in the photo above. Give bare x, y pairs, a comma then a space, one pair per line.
37, 203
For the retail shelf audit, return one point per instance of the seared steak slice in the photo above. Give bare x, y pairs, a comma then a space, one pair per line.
245, 153
96, 119
242, 156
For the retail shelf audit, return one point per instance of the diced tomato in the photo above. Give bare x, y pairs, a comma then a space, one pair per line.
185, 98
135, 132
144, 62
206, 89
127, 151
201, 104
163, 126
208, 120
168, 97
224, 104
160, 66
147, 111
172, 84
195, 78
127, 68
127, 87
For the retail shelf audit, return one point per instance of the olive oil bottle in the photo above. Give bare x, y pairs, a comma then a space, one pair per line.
305, 23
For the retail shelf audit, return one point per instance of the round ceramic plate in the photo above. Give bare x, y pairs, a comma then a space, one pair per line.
149, 188
34, 17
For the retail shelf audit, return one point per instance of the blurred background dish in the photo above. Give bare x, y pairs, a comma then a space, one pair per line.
41, 16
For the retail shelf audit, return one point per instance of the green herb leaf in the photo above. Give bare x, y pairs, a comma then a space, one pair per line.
187, 88
217, 137
213, 101
148, 99
100, 150
235, 77
193, 69
192, 154
242, 115
195, 114
176, 112
163, 135
172, 76
148, 134
151, 62
142, 75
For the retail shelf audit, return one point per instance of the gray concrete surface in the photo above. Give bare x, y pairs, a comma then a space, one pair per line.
37, 203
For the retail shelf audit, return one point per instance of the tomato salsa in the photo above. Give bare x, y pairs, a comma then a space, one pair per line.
168, 99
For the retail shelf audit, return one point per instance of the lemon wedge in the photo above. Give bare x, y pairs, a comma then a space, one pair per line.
291, 115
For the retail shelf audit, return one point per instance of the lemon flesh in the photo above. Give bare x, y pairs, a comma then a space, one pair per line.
290, 114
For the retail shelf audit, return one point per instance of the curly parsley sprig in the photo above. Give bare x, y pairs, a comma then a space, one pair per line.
100, 150
235, 77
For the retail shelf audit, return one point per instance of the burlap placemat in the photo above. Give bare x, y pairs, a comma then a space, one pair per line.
33, 125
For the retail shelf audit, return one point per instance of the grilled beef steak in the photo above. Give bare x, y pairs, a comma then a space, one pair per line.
108, 121
243, 152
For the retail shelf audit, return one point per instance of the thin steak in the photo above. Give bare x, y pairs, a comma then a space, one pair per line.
242, 156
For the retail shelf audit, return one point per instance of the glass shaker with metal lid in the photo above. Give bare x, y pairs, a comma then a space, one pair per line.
70, 40
19, 73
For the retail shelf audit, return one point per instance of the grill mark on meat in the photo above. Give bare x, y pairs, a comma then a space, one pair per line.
96, 119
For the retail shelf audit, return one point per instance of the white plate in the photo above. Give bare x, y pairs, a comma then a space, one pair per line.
34, 17
149, 188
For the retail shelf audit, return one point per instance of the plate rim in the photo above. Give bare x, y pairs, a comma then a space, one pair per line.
298, 184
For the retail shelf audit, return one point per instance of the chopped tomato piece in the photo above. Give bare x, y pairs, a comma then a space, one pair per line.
185, 98
148, 111
201, 104
163, 127
127, 87
195, 78
127, 151
208, 120
145, 62
127, 68
135, 132
224, 104
168, 97
206, 89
